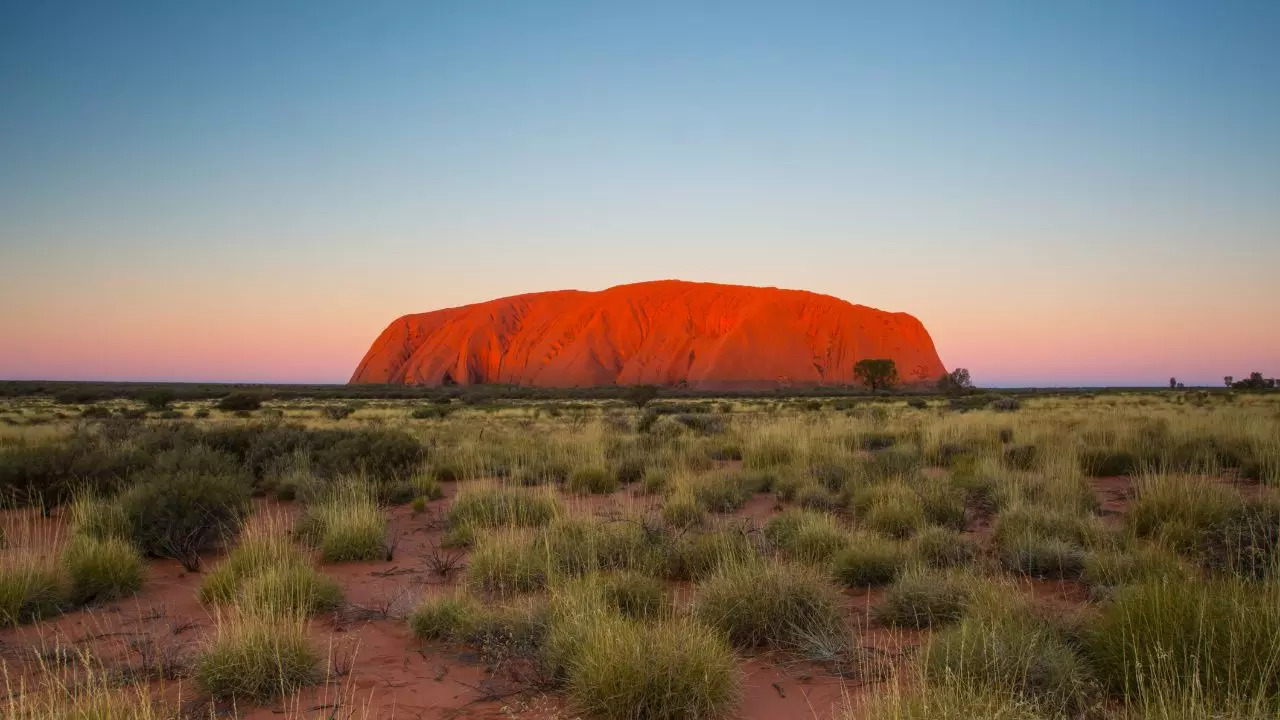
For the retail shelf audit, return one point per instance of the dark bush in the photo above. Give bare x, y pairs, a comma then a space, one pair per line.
181, 516
705, 424
158, 398
1006, 404
78, 396
338, 412
1020, 457
431, 412
1249, 542
630, 469
381, 454
968, 402
240, 401
1107, 463
877, 440
47, 474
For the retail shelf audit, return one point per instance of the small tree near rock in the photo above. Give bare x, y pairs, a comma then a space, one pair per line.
640, 395
876, 373
957, 380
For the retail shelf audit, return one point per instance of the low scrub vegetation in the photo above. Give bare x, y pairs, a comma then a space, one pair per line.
1112, 556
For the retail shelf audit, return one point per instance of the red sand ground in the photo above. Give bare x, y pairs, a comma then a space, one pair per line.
376, 664
668, 332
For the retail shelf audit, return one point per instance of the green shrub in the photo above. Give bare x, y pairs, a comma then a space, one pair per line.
101, 570
774, 604
239, 402
593, 481
868, 561
257, 658
30, 590
49, 474
952, 700
923, 598
380, 454
180, 517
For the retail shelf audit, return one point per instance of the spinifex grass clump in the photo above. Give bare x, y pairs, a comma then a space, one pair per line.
893, 509
101, 570
1114, 567
1011, 655
1216, 640
510, 560
31, 589
775, 604
267, 574
99, 517
694, 556
868, 561
1044, 542
257, 657
592, 481
346, 524
924, 598
75, 686
614, 666
576, 544
490, 506
806, 535
674, 669
1181, 511
943, 547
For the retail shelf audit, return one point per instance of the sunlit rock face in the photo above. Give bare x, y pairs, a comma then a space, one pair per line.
701, 335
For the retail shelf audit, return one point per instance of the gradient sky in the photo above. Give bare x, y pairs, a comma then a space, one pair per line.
1064, 193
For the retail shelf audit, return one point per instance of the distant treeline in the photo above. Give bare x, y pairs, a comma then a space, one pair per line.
76, 392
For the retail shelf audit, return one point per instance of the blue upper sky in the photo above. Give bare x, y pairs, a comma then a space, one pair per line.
1081, 192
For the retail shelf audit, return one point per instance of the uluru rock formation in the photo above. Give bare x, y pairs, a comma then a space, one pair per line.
669, 332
